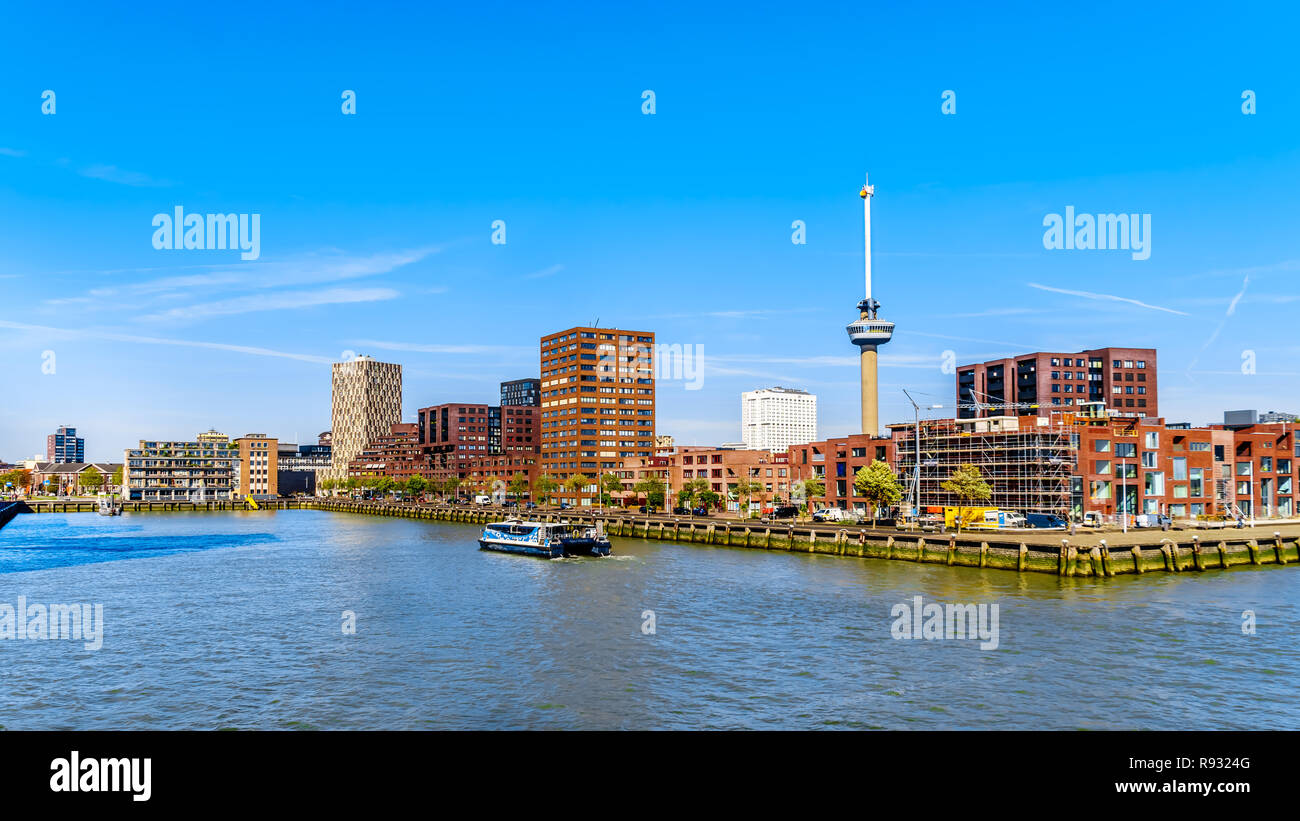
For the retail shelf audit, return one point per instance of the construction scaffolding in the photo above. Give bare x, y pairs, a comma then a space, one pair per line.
1028, 462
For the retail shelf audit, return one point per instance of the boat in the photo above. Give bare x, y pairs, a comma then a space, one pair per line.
109, 507
550, 540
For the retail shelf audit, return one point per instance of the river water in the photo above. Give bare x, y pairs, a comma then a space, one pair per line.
216, 620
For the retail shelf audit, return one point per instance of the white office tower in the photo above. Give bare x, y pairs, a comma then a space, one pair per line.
776, 418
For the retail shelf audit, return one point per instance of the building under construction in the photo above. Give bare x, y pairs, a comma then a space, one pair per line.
1028, 462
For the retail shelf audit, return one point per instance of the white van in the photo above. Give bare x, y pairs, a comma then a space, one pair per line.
482, 499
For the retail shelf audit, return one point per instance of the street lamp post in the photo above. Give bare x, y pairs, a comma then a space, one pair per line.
1123, 495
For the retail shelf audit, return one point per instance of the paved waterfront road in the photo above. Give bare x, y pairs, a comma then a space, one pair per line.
234, 620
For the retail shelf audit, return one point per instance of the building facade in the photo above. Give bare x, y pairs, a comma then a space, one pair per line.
835, 462
597, 405
69, 478
259, 457
206, 470
521, 392
777, 418
65, 446
1123, 379
366, 402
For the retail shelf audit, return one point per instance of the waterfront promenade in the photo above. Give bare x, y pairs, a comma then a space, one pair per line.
1083, 554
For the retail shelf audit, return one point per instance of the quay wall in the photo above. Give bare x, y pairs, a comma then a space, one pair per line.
1169, 554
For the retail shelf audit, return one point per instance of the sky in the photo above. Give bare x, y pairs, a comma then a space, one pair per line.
376, 228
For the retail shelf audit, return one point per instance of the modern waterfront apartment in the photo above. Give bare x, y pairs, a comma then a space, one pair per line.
1040, 384
205, 470
367, 402
777, 418
598, 404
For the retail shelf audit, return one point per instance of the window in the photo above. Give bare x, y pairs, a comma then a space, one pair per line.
1153, 440
1197, 482
1244, 468
1126, 450
1101, 446
1180, 468
1101, 466
1155, 484
1149, 459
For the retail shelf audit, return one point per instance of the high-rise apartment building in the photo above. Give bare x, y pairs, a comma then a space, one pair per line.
65, 446
598, 404
521, 392
367, 402
1040, 384
258, 465
777, 418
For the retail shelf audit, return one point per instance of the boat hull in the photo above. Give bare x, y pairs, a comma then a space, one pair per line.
522, 549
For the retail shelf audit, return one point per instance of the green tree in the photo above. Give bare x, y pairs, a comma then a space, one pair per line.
690, 492
877, 484
544, 487
116, 481
609, 485
968, 485
383, 484
518, 485
575, 483
745, 488
416, 485
90, 480
708, 498
653, 488
451, 487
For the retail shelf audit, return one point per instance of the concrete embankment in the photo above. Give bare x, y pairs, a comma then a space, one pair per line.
1190, 553
1175, 552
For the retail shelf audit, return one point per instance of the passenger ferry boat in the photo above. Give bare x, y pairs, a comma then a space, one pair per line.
550, 540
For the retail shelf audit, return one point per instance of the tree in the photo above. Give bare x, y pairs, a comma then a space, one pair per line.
745, 488
451, 487
543, 487
708, 498
575, 483
653, 488
383, 484
690, 492
90, 480
416, 485
518, 485
968, 485
117, 477
609, 485
877, 484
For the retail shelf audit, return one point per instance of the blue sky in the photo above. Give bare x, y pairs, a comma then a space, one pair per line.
375, 228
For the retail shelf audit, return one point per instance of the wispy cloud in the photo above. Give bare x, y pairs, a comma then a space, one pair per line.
1232, 309
90, 333
280, 301
545, 272
12, 152
311, 269
1105, 298
111, 173
418, 347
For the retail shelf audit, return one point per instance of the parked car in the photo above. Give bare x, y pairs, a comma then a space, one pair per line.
648, 509
1092, 519
930, 521
529, 505
784, 512
1045, 521
564, 505
1152, 520
829, 514
509, 503
701, 511
681, 511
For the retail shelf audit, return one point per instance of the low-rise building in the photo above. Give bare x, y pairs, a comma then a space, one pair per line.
69, 478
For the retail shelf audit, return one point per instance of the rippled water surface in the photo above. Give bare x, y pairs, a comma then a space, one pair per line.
234, 620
